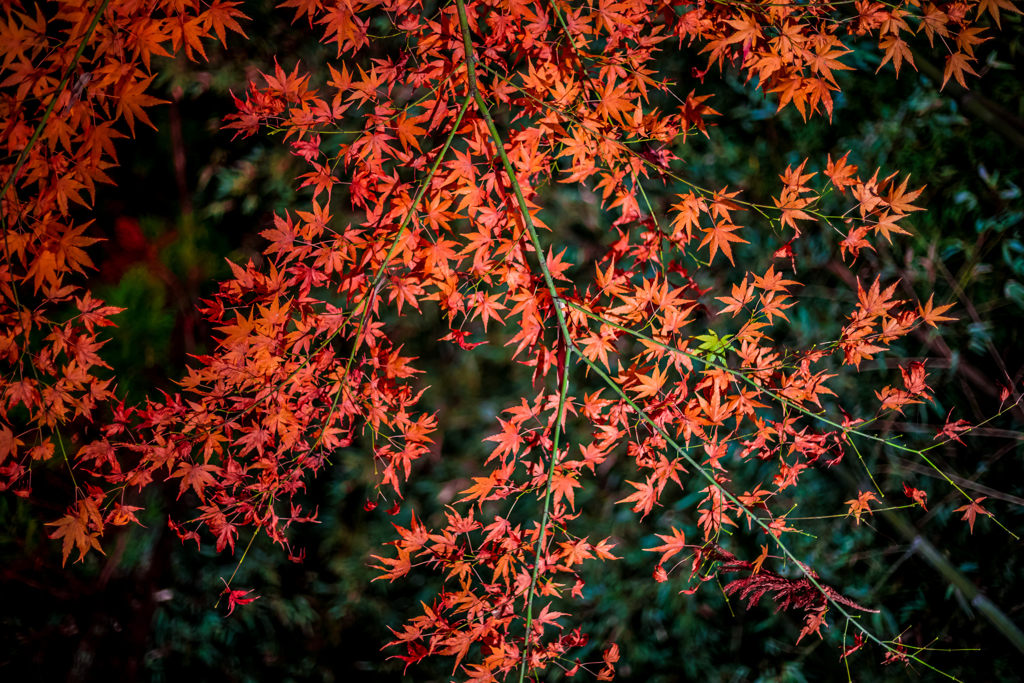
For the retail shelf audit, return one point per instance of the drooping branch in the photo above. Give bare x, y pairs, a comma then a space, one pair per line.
558, 302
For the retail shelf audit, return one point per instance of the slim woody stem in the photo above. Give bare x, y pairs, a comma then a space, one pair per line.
748, 512
509, 169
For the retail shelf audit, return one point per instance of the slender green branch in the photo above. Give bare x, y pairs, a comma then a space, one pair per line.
378, 279
549, 280
542, 540
227, 584
795, 406
735, 501
562, 323
509, 169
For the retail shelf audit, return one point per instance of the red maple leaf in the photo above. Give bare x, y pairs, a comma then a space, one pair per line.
919, 496
236, 597
972, 510
953, 430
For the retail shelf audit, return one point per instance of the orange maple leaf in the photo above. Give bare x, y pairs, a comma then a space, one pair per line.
932, 315
673, 544
132, 98
860, 504
841, 174
720, 237
644, 498
393, 568
221, 15
563, 485
74, 529
956, 65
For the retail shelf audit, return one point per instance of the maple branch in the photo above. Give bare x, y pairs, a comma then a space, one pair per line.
941, 564
558, 304
624, 146
227, 584
684, 452
938, 560
966, 483
570, 344
562, 392
787, 403
935, 342
23, 157
379, 277
509, 169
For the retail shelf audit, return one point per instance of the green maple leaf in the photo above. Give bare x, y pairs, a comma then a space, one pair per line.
713, 347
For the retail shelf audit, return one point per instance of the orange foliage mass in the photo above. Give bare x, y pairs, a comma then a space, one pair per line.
449, 213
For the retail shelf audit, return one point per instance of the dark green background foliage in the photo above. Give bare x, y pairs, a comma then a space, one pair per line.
145, 611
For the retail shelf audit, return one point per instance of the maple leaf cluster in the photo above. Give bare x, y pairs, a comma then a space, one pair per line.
445, 208
70, 73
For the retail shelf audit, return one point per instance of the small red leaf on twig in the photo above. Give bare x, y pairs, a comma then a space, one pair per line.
236, 597
919, 496
972, 510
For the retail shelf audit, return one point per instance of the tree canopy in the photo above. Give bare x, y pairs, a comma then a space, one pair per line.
632, 317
